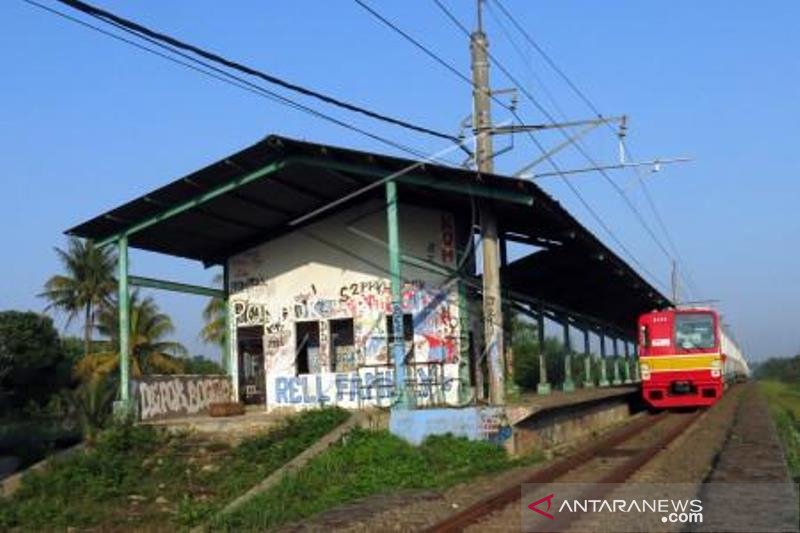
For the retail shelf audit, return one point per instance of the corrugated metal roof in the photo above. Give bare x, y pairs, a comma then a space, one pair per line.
318, 174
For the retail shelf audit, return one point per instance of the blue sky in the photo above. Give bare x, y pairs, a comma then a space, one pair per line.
87, 123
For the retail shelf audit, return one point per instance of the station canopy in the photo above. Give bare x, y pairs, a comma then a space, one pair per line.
278, 185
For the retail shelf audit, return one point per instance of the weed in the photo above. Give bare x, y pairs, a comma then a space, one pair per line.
144, 478
784, 402
370, 462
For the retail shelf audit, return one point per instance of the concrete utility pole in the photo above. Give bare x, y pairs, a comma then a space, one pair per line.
484, 154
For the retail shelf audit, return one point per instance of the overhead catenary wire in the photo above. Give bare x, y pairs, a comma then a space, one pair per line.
594, 108
552, 162
536, 142
578, 146
230, 78
131, 26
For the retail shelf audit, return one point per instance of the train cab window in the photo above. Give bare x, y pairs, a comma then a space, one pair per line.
694, 330
644, 336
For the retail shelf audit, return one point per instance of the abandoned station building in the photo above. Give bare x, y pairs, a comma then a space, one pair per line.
300, 230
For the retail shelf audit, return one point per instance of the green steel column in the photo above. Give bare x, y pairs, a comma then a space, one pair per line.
636, 376
603, 369
569, 383
588, 382
123, 305
544, 386
229, 353
466, 390
402, 399
627, 367
617, 380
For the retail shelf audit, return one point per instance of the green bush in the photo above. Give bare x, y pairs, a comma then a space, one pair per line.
118, 481
368, 462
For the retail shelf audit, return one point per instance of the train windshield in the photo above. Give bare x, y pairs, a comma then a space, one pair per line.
694, 330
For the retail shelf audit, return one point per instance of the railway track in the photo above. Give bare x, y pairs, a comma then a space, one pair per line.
612, 459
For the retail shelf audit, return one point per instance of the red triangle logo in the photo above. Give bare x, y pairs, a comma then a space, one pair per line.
549, 500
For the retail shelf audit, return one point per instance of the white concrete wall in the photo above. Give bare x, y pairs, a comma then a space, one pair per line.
338, 268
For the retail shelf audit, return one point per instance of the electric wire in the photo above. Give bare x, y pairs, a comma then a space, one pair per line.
578, 147
582, 95
231, 79
550, 159
555, 166
139, 29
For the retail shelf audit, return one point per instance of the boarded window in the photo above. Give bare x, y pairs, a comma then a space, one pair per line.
408, 335
307, 359
251, 364
343, 346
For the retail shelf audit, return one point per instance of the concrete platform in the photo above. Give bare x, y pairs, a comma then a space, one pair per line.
559, 419
531, 403
255, 420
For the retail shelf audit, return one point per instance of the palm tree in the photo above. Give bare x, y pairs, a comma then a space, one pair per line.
85, 286
214, 315
150, 352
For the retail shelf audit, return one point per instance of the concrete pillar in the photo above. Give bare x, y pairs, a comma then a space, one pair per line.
603, 370
627, 367
544, 386
617, 379
588, 382
569, 383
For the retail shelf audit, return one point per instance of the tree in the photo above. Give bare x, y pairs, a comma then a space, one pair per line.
150, 351
32, 363
200, 365
786, 369
525, 342
214, 315
85, 286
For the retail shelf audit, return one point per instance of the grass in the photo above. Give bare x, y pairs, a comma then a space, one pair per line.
139, 477
369, 462
784, 402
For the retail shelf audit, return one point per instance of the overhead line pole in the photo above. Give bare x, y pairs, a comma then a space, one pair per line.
484, 157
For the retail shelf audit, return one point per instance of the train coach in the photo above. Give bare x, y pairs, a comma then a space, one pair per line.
686, 358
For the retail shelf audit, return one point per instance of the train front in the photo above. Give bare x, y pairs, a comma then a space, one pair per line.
680, 358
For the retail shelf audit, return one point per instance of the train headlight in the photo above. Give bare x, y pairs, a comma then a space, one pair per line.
645, 371
716, 367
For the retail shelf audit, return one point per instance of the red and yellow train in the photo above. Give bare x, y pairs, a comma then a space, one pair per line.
686, 359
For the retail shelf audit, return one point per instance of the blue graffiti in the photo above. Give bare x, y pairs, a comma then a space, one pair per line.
310, 389
297, 391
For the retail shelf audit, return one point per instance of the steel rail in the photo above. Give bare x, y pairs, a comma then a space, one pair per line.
477, 511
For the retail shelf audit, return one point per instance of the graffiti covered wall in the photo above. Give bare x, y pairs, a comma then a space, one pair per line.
334, 275
160, 397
